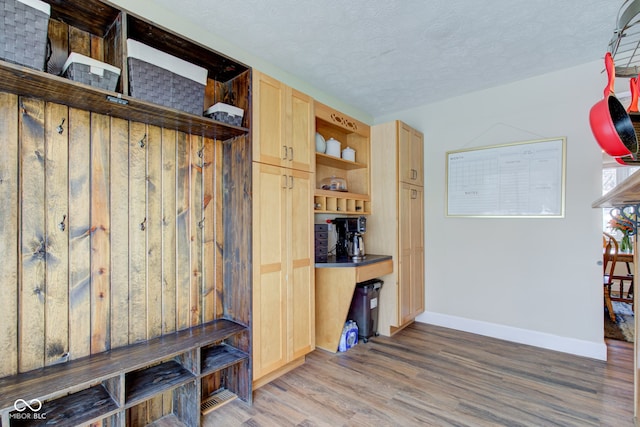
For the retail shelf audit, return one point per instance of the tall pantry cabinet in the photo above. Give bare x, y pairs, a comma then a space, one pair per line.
397, 225
283, 267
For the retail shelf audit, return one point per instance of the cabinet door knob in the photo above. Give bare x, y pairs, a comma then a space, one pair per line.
290, 154
290, 181
414, 194
284, 152
284, 181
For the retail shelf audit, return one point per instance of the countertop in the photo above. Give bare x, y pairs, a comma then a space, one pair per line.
369, 259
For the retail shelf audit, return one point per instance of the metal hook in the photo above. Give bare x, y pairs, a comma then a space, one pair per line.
143, 224
141, 143
60, 129
201, 223
62, 225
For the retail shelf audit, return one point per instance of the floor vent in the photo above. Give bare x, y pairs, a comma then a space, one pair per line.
216, 400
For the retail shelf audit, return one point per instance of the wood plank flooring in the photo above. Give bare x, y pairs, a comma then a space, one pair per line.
431, 376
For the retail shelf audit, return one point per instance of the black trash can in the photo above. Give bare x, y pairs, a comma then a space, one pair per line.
364, 308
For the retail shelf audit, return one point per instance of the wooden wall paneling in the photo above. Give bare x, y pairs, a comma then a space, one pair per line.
219, 233
9, 232
58, 35
237, 234
138, 143
100, 228
57, 208
154, 231
183, 229
169, 242
209, 231
79, 41
79, 222
196, 229
119, 233
33, 249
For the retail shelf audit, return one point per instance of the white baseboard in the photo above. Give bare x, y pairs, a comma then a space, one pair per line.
522, 336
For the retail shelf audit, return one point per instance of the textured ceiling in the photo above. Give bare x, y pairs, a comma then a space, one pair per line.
386, 56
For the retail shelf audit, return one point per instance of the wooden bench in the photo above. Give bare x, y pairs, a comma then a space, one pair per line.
105, 385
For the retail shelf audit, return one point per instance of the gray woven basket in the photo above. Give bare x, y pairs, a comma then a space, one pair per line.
81, 73
23, 34
155, 84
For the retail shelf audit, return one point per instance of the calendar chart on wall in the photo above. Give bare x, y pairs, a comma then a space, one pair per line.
522, 179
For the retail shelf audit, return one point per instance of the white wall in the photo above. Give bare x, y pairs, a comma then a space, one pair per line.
534, 281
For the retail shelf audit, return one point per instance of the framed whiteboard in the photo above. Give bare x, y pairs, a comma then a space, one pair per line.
522, 179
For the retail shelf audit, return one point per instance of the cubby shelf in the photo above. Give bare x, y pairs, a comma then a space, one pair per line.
337, 162
220, 356
25, 81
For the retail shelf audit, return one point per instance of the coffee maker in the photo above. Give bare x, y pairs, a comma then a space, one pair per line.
349, 243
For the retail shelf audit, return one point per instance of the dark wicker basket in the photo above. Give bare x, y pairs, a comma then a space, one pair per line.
23, 34
155, 84
81, 73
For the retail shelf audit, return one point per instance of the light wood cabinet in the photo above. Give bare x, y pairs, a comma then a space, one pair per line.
283, 124
283, 266
410, 154
410, 252
397, 225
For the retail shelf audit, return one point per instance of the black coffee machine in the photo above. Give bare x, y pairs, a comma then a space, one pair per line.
349, 243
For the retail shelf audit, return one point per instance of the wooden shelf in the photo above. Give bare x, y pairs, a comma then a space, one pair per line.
219, 357
85, 406
141, 385
167, 421
336, 162
27, 82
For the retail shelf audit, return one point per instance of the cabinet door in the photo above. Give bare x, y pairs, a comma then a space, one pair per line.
417, 157
417, 250
410, 154
269, 269
300, 136
405, 306
411, 253
301, 283
269, 123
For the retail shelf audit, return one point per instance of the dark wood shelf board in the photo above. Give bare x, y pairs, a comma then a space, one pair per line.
219, 357
92, 16
167, 421
27, 82
76, 409
50, 382
143, 384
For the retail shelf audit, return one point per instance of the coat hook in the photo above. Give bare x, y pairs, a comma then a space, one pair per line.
141, 143
59, 129
201, 223
143, 224
200, 151
62, 225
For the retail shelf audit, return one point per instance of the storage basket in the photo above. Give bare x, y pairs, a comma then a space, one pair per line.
23, 32
225, 113
90, 71
150, 79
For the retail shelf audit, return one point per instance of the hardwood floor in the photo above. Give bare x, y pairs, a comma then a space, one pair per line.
431, 376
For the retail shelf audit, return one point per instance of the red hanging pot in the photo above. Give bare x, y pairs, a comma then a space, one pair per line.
610, 122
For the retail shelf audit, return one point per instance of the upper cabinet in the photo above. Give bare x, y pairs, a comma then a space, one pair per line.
353, 134
283, 124
100, 31
410, 155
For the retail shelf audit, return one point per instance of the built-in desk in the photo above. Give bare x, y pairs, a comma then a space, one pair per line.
335, 283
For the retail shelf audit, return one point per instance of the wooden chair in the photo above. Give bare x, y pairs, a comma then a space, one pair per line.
609, 259
624, 281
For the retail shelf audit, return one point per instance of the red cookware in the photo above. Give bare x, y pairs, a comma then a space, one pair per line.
633, 85
610, 123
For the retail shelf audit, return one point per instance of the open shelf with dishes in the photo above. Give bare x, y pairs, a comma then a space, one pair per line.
355, 135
